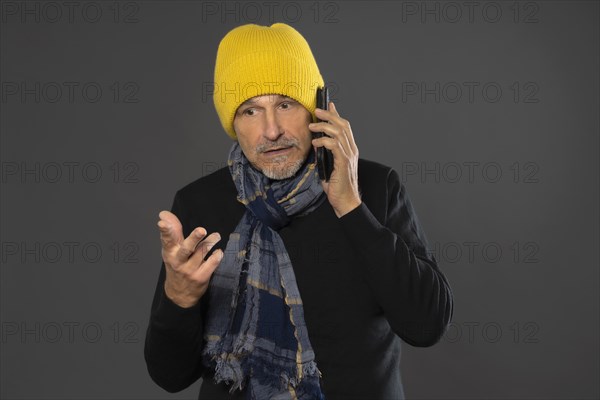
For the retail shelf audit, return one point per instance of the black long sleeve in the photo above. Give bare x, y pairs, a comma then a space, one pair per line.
407, 283
174, 335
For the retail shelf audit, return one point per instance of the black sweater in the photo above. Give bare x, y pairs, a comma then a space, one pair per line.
366, 280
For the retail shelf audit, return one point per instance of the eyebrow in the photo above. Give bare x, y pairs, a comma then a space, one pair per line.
253, 101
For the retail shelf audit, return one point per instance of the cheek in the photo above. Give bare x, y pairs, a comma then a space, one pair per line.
247, 136
300, 124
249, 149
307, 136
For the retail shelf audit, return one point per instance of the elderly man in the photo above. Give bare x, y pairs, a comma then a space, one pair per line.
317, 282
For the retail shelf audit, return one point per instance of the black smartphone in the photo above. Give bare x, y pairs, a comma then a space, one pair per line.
324, 155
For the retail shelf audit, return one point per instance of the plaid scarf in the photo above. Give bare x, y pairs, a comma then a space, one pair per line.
255, 331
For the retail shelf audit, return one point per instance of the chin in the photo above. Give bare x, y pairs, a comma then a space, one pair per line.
284, 170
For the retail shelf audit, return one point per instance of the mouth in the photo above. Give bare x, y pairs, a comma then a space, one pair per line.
280, 150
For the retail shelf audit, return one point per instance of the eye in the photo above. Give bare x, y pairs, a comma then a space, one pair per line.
245, 112
288, 104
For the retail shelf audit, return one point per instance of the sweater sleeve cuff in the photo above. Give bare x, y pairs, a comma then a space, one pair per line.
171, 316
361, 226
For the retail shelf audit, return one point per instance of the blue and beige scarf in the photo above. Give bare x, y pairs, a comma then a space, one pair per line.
255, 331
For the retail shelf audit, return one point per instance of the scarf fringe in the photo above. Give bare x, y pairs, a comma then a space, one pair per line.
231, 371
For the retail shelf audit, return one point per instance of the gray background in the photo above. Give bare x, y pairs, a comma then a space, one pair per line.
517, 238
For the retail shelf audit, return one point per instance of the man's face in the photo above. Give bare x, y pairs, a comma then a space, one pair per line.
269, 122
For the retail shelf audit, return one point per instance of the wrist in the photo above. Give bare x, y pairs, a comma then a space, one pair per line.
350, 206
178, 300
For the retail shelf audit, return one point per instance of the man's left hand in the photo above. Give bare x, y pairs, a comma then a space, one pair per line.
342, 189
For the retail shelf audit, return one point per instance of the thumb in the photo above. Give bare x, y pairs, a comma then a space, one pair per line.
171, 233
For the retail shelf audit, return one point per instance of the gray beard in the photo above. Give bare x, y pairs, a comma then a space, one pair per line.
279, 171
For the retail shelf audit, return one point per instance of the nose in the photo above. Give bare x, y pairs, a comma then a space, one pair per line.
272, 129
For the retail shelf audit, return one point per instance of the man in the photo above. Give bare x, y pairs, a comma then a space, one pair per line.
316, 283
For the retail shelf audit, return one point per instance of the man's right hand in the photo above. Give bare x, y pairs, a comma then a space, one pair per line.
187, 274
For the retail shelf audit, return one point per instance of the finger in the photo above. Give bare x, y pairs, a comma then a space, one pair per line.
328, 115
195, 246
347, 130
336, 148
197, 259
334, 118
187, 247
170, 229
206, 269
335, 132
333, 108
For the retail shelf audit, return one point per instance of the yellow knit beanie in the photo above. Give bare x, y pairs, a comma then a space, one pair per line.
254, 60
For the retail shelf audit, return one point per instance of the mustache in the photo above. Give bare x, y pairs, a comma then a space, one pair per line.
270, 146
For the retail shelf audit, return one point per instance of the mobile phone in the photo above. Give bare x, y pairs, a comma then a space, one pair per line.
324, 155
